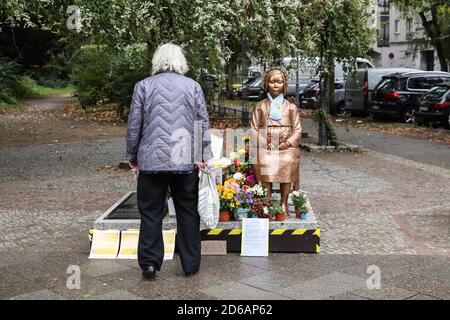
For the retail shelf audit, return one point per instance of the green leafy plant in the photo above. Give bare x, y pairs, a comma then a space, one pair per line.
275, 207
299, 200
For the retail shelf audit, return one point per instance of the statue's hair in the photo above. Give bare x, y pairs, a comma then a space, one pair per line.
269, 73
169, 57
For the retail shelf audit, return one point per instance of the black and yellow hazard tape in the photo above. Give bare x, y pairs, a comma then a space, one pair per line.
280, 240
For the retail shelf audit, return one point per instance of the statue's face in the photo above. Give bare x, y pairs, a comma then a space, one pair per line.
275, 83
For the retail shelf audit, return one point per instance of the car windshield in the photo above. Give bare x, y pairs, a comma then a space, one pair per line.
255, 83
386, 84
436, 92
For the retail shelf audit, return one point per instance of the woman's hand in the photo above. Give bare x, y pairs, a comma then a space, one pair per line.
202, 165
270, 146
133, 165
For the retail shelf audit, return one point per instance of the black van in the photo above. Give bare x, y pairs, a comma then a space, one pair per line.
397, 95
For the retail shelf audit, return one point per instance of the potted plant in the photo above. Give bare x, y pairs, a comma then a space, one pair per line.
227, 200
275, 209
260, 201
244, 202
299, 201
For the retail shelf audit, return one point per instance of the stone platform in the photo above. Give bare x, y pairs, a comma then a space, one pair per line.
291, 235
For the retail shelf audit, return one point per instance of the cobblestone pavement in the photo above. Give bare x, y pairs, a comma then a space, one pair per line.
373, 208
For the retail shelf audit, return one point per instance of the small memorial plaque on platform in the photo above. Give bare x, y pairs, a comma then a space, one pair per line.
214, 247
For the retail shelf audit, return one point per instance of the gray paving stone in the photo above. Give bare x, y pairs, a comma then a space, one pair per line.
385, 293
160, 288
20, 256
270, 281
50, 271
439, 272
39, 295
275, 261
422, 297
323, 287
420, 284
95, 268
89, 287
12, 285
238, 291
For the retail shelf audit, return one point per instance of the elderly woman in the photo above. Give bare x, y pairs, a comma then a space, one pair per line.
276, 124
166, 110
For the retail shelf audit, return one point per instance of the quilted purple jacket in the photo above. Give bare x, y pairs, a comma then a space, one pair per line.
166, 110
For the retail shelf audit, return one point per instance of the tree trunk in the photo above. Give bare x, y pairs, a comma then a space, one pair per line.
231, 71
331, 106
434, 33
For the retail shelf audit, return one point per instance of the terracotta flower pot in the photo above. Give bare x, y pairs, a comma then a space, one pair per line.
297, 213
279, 216
224, 215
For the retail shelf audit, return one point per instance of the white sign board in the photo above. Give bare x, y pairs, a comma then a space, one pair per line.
255, 237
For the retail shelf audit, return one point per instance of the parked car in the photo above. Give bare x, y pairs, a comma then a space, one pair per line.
303, 83
252, 76
311, 96
434, 106
397, 94
359, 87
308, 74
252, 91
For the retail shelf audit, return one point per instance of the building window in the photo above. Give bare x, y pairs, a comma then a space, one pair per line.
383, 7
409, 28
397, 27
383, 31
383, 36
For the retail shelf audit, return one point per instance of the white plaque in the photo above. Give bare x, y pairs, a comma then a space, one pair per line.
255, 237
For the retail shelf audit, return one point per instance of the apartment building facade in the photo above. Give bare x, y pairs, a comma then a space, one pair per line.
401, 41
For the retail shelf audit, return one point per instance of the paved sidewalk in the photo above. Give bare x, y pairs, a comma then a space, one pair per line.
374, 209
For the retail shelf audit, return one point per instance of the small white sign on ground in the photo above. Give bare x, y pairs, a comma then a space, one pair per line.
255, 237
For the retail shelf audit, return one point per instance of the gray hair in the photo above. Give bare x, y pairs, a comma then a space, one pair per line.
169, 57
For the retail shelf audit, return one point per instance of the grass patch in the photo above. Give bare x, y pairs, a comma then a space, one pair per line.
47, 91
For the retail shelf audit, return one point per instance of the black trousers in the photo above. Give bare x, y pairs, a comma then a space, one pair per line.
151, 196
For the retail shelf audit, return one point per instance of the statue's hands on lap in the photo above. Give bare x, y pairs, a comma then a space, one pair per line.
284, 145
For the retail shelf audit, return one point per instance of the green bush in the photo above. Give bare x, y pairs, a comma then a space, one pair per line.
91, 73
8, 78
55, 73
13, 85
130, 66
24, 87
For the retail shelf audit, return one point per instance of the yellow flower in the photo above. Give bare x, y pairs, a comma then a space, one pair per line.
232, 205
231, 180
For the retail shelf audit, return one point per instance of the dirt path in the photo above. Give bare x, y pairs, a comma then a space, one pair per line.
56, 119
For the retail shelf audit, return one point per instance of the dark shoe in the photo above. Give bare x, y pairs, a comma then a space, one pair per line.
190, 274
149, 272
